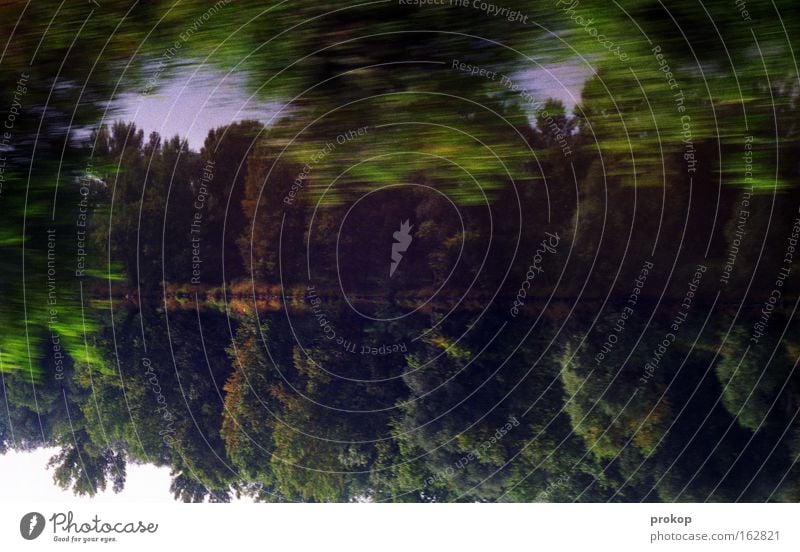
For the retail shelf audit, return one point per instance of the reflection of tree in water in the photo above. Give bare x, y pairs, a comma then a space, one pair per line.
256, 406
293, 417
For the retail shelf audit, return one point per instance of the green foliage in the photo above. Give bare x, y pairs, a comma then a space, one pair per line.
103, 358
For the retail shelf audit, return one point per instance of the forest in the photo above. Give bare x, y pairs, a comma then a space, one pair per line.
423, 279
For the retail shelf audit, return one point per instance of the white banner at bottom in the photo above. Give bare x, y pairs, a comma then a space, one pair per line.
390, 527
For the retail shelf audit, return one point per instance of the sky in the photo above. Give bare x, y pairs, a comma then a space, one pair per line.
23, 477
191, 106
194, 104
562, 81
